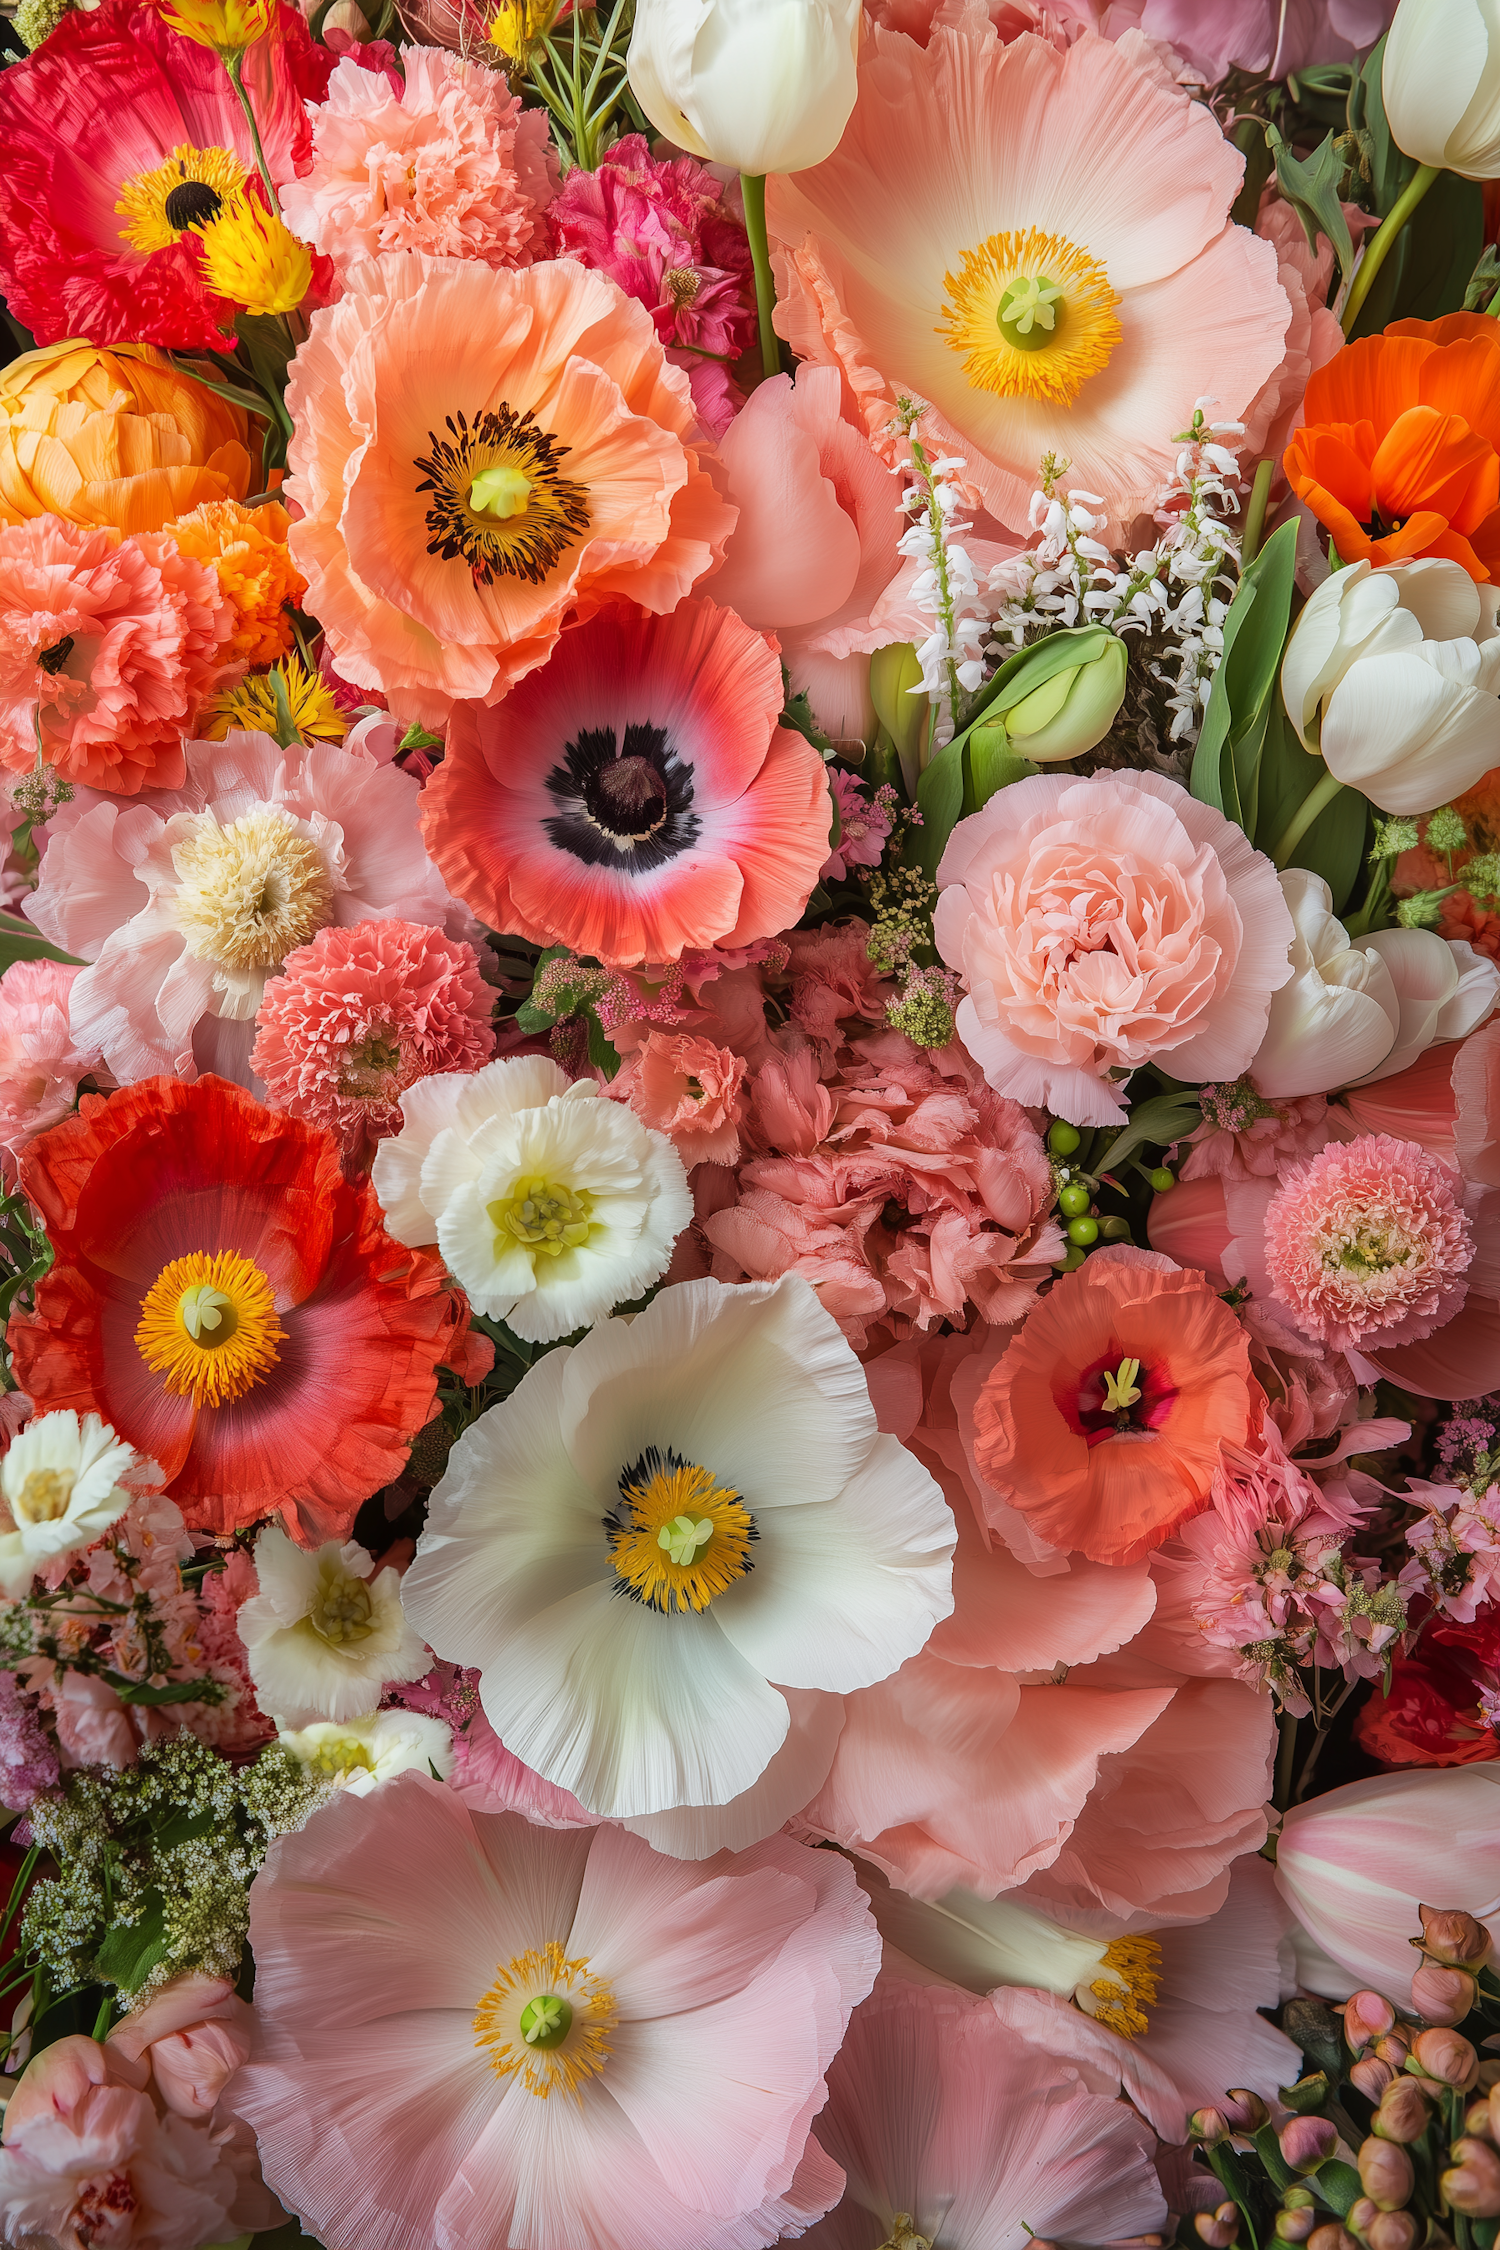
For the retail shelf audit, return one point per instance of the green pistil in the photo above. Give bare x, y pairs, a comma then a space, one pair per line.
546, 2021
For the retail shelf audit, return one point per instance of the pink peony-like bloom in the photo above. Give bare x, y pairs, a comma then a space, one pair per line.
1102, 924
358, 1015
451, 165
665, 232
1244, 1137
864, 824
40, 1066
726, 1988
186, 903
108, 645
834, 983
194, 2034
28, 1760
690, 1090
1369, 1242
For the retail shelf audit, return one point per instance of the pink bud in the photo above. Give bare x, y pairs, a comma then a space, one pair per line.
1404, 2112
1245, 2111
1394, 2047
1495, 2112
1367, 2017
1477, 2122
1331, 2237
1441, 2054
1371, 2076
1391, 2230
1473, 2184
1295, 2226
1451, 1935
1218, 2228
1440, 1994
1386, 2173
1306, 2142
1209, 2126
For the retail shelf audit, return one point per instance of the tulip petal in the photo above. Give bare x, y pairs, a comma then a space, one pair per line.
1408, 738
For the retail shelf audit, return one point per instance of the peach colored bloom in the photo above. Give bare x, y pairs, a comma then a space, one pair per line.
1100, 924
246, 549
690, 1090
903, 247
544, 392
39, 1064
1368, 1244
193, 2034
451, 165
1243, 1137
108, 645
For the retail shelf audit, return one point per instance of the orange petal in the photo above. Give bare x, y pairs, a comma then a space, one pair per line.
1374, 380
1432, 461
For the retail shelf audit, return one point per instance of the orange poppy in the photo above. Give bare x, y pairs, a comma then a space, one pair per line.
1399, 454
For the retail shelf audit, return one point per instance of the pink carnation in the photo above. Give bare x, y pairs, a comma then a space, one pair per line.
452, 166
690, 1090
108, 644
1368, 1243
1243, 1137
864, 824
40, 1066
357, 1016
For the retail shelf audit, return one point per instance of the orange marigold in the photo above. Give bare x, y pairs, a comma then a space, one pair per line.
247, 549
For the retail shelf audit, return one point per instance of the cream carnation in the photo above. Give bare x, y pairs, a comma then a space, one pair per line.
64, 1482
361, 1753
550, 1205
1101, 924
324, 1638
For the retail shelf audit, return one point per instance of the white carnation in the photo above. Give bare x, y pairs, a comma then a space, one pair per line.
64, 1484
362, 1753
324, 1639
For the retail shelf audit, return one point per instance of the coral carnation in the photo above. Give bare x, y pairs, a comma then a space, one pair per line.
690, 1090
246, 550
40, 1066
107, 646
358, 1015
1368, 1243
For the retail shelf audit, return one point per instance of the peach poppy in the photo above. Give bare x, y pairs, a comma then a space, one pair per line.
478, 453
965, 243
1399, 454
1102, 1422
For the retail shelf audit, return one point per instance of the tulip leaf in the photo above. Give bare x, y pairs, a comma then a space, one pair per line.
1338, 2184
1226, 763
1312, 189
1268, 2149
994, 764
940, 800
1333, 846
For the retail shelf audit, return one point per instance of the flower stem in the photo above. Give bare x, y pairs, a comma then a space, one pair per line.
1378, 246
753, 185
235, 65
1286, 1761
1318, 798
1255, 512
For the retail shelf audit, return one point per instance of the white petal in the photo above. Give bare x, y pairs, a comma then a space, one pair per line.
792, 1779
1396, 729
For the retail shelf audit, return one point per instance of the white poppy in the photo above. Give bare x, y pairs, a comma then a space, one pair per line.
359, 1754
663, 1521
550, 1204
323, 1638
64, 1484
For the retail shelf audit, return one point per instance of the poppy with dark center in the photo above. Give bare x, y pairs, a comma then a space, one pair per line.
637, 795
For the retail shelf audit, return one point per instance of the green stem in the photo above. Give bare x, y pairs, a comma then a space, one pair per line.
106, 2012
235, 65
1255, 512
1286, 1762
1318, 798
754, 187
1377, 249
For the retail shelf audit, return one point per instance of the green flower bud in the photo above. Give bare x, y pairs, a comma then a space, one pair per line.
894, 672
1070, 710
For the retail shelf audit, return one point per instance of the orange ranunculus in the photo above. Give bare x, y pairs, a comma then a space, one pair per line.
116, 437
1399, 454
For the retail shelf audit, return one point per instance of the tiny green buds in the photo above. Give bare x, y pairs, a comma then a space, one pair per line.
1073, 1200
1063, 1138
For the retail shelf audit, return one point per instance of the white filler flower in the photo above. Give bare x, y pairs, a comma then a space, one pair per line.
362, 1753
63, 1483
551, 1205
324, 1639
664, 1520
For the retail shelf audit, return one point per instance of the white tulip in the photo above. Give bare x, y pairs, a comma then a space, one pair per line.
763, 85
1440, 83
1339, 1017
1444, 990
1393, 675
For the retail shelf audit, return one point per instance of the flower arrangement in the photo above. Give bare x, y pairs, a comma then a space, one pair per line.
749, 1125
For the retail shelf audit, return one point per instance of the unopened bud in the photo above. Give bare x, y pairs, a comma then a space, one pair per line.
1307, 2142
1394, 2047
1218, 2228
1368, 2016
1054, 710
1295, 2226
1495, 2111
1386, 2173
1391, 2230
1245, 2111
1450, 1935
1209, 2126
1477, 2122
1489, 2073
1473, 2184
1440, 1994
1404, 2113
1331, 2237
1371, 2076
1443, 2055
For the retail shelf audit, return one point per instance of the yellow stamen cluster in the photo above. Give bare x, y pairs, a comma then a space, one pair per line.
251, 256
1128, 1985
176, 197
1031, 316
678, 1537
543, 1215
1120, 1389
43, 1498
208, 1327
548, 2048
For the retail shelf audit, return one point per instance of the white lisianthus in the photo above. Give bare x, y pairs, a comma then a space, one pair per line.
323, 1638
1392, 674
550, 1204
663, 1527
1440, 82
64, 1483
361, 1753
762, 85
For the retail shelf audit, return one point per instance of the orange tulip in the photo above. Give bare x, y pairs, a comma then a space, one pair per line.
115, 437
1400, 452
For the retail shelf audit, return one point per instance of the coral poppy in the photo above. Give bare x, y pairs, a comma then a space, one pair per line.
230, 1304
121, 140
1103, 1420
1042, 302
1399, 454
637, 796
479, 453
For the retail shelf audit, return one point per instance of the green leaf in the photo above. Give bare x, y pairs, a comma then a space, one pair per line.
993, 764
416, 736
128, 1955
601, 1054
1154, 1124
1308, 2095
170, 1691
1226, 763
1268, 2149
1432, 260
1334, 845
23, 941
1338, 2184
1313, 190
940, 800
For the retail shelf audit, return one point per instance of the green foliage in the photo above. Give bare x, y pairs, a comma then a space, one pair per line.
23, 941
1226, 763
1334, 845
1314, 190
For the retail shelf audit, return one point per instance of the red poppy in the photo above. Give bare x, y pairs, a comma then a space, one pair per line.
1431, 1715
232, 1304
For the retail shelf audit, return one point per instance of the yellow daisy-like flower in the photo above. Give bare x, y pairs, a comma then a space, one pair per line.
228, 26
517, 26
253, 705
247, 549
252, 257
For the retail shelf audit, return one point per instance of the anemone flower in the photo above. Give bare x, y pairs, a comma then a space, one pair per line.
682, 2017
965, 245
121, 141
636, 796
231, 1305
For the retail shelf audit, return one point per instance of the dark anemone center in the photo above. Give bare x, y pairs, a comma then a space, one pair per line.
628, 797
192, 204
624, 801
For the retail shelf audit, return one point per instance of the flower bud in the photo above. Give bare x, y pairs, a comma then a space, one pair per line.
1449, 119
1371, 2076
1450, 1935
1495, 2112
1054, 710
1368, 2016
1395, 2047
1443, 2055
894, 674
1477, 2121
1404, 2112
345, 15
1391, 2230
760, 89
1245, 2111
1307, 2142
1386, 2173
1442, 1995
1473, 2183
1295, 2226
1331, 2236
1209, 2126
1218, 2228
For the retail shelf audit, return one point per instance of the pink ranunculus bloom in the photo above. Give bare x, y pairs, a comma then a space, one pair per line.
450, 164
726, 1988
40, 1066
834, 983
108, 645
1101, 924
690, 1090
356, 1016
1368, 1243
1243, 1137
164, 898
864, 825
666, 232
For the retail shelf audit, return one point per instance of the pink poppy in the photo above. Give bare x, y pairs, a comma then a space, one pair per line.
635, 797
404, 2107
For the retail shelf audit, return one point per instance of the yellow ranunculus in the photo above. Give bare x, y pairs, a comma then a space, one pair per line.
116, 437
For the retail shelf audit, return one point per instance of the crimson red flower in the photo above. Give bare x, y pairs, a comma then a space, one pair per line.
232, 1305
1432, 1714
118, 134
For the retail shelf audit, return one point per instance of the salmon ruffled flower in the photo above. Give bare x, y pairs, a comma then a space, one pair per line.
231, 1304
246, 550
107, 648
637, 797
40, 1066
478, 455
1368, 1243
1037, 300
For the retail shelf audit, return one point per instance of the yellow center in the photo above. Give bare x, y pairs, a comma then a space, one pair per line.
342, 1610
501, 491
43, 1498
1031, 316
678, 1538
251, 892
186, 192
208, 1327
1120, 1389
344, 1753
552, 1994
500, 502
547, 1217
1127, 1985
